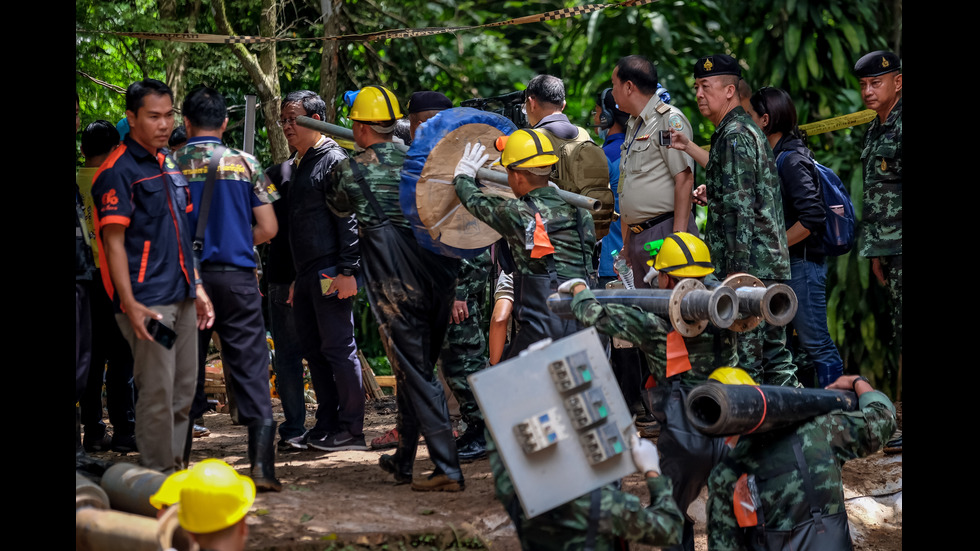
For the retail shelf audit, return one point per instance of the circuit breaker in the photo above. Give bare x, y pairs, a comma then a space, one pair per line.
559, 420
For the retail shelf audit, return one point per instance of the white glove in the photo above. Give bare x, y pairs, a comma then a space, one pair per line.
645, 455
566, 288
473, 158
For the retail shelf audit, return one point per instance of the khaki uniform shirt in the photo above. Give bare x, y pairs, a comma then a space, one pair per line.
647, 170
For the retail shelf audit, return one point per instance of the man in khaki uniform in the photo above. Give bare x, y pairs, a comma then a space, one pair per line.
655, 181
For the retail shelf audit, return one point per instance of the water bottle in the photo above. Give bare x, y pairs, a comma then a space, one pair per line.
625, 273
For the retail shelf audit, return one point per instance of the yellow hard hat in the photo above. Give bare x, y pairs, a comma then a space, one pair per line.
684, 255
213, 497
375, 104
731, 376
169, 491
528, 148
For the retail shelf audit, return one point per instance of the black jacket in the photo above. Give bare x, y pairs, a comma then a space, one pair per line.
802, 199
318, 238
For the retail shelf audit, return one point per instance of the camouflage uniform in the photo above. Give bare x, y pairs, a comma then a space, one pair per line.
510, 218
687, 456
572, 234
827, 441
745, 232
411, 290
620, 515
882, 216
465, 350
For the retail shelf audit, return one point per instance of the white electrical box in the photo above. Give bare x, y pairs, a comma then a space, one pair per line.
559, 420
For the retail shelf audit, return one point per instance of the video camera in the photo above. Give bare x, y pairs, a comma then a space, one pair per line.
509, 105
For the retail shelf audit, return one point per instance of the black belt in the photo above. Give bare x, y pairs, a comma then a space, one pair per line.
639, 228
218, 267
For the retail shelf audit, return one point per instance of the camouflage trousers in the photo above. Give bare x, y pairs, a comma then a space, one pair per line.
763, 354
465, 353
891, 268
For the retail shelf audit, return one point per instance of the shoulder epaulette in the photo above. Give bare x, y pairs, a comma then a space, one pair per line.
663, 108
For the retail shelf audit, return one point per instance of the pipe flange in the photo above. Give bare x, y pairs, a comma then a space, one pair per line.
780, 304
737, 281
682, 326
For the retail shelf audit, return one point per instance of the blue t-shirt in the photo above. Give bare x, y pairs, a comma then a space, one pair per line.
240, 185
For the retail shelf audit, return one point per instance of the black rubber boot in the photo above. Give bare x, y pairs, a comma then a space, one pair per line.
262, 455
401, 463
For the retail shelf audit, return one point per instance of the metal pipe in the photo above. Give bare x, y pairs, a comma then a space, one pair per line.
129, 487
689, 306
248, 146
776, 303
723, 410
573, 199
108, 530
89, 494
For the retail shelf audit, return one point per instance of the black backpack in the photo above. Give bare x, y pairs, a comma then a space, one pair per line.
839, 231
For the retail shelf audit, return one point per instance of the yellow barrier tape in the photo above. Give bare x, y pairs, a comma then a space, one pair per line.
837, 123
563, 13
831, 124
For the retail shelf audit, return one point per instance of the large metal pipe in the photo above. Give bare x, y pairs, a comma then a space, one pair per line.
776, 303
108, 530
573, 199
129, 487
722, 410
89, 494
689, 306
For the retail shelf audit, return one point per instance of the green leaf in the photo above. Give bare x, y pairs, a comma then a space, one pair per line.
791, 41
851, 36
837, 58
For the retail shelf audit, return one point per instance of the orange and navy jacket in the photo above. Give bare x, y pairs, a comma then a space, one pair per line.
146, 193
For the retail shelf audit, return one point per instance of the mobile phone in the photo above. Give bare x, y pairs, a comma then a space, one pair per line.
665, 137
326, 284
161, 333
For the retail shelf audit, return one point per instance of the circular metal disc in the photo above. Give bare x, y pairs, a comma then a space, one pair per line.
735, 281
682, 326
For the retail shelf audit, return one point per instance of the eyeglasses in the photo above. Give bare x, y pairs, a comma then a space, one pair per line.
283, 123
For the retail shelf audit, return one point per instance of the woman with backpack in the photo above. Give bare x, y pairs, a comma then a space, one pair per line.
803, 210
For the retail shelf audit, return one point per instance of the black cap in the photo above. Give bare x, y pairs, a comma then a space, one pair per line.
877, 63
428, 101
718, 64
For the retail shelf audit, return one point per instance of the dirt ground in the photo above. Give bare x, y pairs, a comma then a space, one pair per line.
343, 501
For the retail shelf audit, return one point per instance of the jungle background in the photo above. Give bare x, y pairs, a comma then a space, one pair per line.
806, 47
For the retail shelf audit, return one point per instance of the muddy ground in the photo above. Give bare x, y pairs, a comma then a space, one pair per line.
343, 501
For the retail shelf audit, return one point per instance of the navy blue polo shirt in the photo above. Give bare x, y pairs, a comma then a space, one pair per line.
240, 185
146, 193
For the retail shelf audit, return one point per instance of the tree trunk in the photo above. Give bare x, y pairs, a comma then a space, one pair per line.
329, 62
263, 69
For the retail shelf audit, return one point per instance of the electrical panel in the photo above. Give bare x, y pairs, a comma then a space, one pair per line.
559, 420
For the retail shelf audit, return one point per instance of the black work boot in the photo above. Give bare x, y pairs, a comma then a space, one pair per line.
472, 445
262, 455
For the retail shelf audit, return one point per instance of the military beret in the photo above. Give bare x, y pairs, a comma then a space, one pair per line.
718, 64
877, 63
428, 101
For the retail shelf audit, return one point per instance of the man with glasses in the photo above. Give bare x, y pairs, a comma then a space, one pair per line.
327, 260
655, 181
